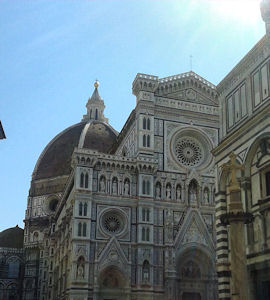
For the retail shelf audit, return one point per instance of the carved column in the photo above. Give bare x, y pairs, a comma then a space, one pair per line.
236, 218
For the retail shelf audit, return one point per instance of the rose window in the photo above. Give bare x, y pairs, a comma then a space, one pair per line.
188, 151
113, 222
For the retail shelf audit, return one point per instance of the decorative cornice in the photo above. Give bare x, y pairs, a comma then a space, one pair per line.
258, 52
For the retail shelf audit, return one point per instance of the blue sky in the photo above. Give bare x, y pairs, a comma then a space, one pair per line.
52, 51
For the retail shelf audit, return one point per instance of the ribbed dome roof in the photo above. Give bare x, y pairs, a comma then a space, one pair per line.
12, 237
55, 160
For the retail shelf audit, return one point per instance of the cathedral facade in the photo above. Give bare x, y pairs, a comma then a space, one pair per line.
128, 215
174, 207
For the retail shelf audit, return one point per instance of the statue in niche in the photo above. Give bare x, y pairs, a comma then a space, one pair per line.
114, 187
158, 191
102, 185
206, 196
178, 193
126, 188
192, 192
80, 268
168, 192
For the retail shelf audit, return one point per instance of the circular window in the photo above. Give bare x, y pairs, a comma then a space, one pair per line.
191, 148
113, 221
188, 151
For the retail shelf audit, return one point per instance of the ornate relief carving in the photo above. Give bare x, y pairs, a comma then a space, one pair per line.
193, 235
158, 144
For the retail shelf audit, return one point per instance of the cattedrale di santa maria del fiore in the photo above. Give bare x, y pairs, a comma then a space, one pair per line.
175, 206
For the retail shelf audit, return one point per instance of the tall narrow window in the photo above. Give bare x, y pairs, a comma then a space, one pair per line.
79, 229
86, 181
147, 238
148, 124
82, 180
243, 100
237, 113
143, 234
80, 208
265, 90
96, 116
256, 88
143, 187
147, 215
148, 140
267, 183
144, 140
143, 214
230, 112
84, 229
148, 187
90, 113
85, 209
144, 123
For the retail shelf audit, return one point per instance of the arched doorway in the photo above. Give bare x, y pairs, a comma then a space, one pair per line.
196, 274
113, 285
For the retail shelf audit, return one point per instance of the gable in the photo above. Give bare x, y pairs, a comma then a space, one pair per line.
194, 231
192, 95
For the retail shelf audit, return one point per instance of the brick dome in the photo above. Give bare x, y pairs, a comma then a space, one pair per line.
55, 160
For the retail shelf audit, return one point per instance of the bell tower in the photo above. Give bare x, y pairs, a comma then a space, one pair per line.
265, 12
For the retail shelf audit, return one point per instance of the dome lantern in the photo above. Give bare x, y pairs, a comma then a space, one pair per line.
95, 106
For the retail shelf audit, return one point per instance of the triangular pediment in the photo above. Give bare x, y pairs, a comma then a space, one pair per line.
189, 87
112, 254
191, 95
194, 231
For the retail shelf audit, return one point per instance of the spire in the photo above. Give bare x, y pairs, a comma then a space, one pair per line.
95, 106
265, 12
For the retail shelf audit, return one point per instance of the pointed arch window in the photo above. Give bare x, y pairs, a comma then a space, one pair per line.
147, 234
86, 181
148, 141
80, 208
148, 124
85, 209
148, 215
144, 187
148, 187
143, 214
84, 229
80, 229
82, 180
144, 140
143, 234
144, 123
